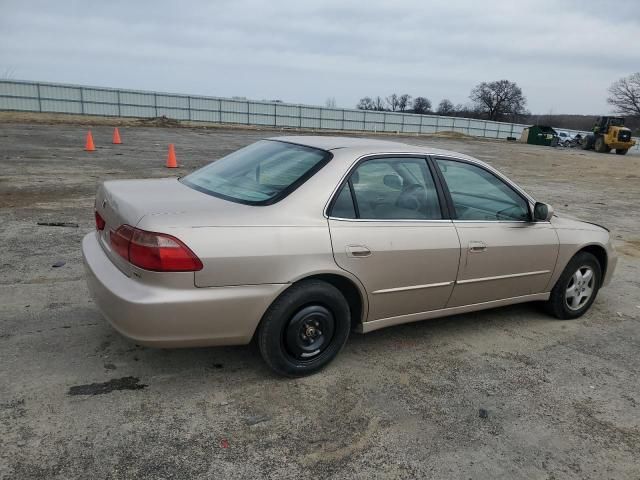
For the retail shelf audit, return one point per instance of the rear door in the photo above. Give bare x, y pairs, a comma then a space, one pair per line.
504, 254
388, 229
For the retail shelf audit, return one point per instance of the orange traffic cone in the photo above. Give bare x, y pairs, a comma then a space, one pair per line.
116, 137
89, 146
171, 159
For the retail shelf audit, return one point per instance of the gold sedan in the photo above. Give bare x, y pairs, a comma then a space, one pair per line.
300, 240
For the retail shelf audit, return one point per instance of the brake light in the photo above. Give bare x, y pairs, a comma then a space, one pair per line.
99, 222
158, 252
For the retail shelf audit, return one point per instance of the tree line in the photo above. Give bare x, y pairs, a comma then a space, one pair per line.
503, 100
499, 100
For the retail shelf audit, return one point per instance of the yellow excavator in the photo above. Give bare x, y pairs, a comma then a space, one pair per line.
609, 133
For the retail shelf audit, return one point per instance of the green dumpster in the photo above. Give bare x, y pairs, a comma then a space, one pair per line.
540, 135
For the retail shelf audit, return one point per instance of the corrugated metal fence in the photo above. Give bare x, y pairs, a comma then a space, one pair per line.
27, 96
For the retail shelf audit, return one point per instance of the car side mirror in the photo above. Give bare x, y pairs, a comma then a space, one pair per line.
393, 181
542, 212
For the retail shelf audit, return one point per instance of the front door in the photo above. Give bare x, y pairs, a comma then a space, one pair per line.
387, 229
503, 253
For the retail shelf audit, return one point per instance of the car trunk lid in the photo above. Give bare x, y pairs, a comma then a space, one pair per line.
122, 202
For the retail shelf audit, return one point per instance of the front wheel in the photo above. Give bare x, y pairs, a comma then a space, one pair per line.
577, 287
304, 329
600, 146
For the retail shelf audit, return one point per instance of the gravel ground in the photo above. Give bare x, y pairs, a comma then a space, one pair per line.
506, 393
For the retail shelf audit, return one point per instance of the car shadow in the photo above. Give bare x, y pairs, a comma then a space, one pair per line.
228, 363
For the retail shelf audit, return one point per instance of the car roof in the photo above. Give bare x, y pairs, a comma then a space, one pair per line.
362, 145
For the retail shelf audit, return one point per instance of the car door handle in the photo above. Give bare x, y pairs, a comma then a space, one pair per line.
475, 246
358, 251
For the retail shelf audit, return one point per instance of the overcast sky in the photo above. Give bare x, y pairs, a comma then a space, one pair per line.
563, 53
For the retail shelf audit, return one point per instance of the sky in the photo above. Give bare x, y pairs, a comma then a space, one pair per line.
564, 54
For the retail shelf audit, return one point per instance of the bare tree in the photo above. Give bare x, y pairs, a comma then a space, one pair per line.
7, 74
365, 103
421, 105
403, 101
378, 104
393, 102
330, 102
498, 99
445, 107
624, 95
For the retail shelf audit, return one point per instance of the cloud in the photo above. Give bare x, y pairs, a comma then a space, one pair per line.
563, 54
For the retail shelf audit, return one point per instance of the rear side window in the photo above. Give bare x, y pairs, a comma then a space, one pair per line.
260, 174
343, 206
389, 189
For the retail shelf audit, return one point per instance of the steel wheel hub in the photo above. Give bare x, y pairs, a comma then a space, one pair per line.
309, 332
580, 288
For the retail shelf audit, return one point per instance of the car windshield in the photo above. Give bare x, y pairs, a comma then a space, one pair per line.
259, 174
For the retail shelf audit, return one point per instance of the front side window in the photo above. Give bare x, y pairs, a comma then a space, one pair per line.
389, 189
259, 174
479, 195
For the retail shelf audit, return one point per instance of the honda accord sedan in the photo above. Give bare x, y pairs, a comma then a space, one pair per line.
298, 241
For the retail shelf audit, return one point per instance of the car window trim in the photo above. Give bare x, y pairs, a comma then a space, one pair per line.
454, 216
374, 156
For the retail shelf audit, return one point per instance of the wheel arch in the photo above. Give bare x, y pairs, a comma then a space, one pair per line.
351, 289
600, 253
355, 296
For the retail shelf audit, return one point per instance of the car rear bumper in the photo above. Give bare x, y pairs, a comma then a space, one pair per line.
162, 316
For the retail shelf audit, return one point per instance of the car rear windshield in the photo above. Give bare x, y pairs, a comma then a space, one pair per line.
259, 174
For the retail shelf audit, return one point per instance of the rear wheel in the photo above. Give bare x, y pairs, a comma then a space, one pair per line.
304, 329
621, 151
577, 287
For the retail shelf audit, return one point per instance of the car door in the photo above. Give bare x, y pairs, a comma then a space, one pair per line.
388, 229
504, 254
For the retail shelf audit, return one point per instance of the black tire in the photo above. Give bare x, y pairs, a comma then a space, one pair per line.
288, 336
621, 151
557, 305
600, 146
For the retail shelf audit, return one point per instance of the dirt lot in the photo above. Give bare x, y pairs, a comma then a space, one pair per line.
562, 398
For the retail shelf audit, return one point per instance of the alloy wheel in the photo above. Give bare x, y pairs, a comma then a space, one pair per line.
580, 288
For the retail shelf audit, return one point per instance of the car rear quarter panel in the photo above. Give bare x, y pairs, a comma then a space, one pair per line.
259, 254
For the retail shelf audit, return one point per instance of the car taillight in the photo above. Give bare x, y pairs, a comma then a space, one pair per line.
158, 252
99, 222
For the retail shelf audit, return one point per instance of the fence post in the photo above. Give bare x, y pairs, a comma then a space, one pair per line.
364, 121
248, 113
275, 114
343, 119
39, 98
384, 122
468, 126
437, 124
155, 103
421, 123
189, 107
82, 100
299, 116
484, 132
